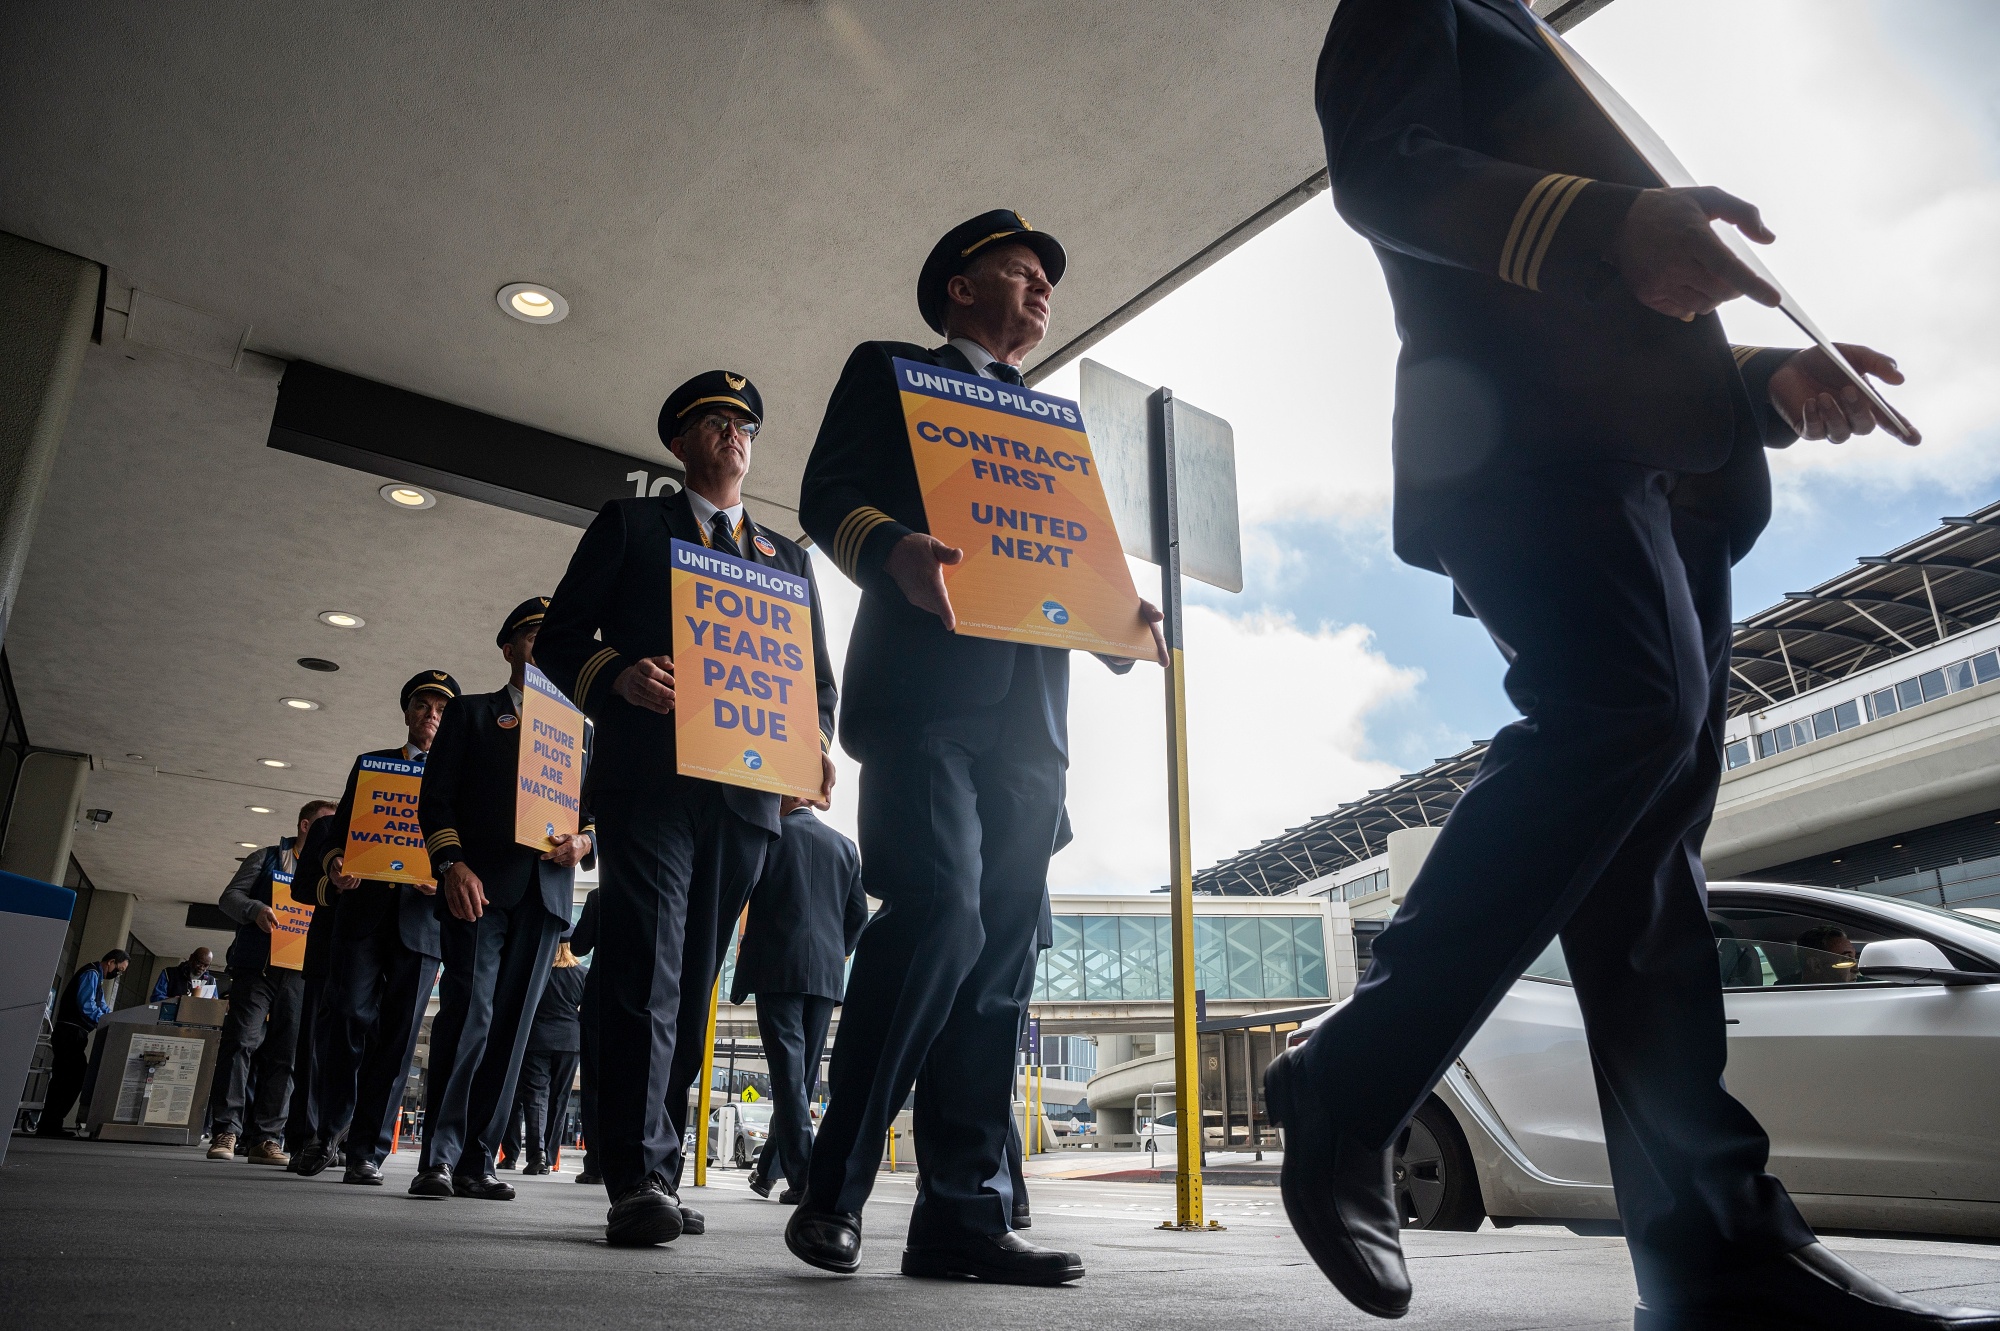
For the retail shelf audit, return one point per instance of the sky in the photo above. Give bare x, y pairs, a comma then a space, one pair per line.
1868, 132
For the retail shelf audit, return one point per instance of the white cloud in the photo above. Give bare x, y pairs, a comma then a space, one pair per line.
1277, 726
1881, 191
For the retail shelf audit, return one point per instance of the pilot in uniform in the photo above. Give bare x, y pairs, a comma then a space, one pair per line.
311, 888
964, 746
502, 907
805, 915
678, 855
1581, 451
379, 976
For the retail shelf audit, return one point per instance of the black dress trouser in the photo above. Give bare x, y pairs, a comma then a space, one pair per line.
71, 1047
302, 1122
793, 1029
262, 1028
546, 1076
676, 865
1606, 587
494, 970
376, 992
958, 819
588, 1072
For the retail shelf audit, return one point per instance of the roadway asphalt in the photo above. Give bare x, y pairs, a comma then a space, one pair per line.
160, 1238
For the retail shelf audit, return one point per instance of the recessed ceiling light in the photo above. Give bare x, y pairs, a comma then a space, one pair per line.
136, 757
256, 808
408, 496
318, 663
533, 303
300, 704
272, 762
247, 845
341, 619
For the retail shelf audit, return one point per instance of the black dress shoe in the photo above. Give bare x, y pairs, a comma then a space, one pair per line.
312, 1159
1023, 1217
830, 1240
1339, 1196
363, 1171
1808, 1289
642, 1217
535, 1167
692, 1221
760, 1185
508, 1162
485, 1187
1001, 1259
432, 1182
592, 1179
791, 1196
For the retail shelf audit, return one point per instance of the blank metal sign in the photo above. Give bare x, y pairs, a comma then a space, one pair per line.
1115, 413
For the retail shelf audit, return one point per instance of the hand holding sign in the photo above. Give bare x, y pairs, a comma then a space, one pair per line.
1674, 262
648, 683
1817, 400
917, 563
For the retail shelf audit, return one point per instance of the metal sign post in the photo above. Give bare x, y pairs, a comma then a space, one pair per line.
1180, 857
1152, 450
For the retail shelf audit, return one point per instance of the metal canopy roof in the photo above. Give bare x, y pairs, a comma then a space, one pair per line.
1937, 586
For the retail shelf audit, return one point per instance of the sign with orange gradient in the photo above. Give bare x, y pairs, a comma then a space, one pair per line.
548, 777
288, 935
384, 842
1009, 478
746, 700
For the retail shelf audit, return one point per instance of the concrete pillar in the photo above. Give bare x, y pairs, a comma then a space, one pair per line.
1409, 847
48, 799
108, 925
50, 308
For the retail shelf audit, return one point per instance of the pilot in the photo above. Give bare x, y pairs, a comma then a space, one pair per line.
502, 908
964, 743
679, 854
384, 961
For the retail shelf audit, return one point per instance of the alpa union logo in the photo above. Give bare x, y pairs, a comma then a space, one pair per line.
1055, 612
752, 759
395, 864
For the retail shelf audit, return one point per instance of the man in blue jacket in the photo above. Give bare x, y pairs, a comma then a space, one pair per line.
85, 1001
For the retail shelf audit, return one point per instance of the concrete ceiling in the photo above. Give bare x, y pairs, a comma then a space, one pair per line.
751, 185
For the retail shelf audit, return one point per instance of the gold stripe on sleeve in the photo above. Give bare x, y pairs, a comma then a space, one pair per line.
1743, 355
586, 678
852, 535
1535, 222
1565, 195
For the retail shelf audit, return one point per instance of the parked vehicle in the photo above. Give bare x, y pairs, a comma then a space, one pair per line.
1877, 1075
737, 1132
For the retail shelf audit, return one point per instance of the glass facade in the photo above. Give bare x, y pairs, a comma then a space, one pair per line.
1127, 958
1899, 697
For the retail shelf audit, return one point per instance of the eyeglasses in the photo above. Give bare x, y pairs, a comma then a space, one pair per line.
722, 424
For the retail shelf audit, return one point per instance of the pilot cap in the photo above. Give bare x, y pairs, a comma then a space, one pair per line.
965, 242
525, 615
429, 681
711, 388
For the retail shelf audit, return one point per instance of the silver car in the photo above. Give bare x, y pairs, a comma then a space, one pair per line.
1864, 1033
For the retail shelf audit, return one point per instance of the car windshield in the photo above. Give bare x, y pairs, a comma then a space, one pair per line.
753, 1111
1955, 916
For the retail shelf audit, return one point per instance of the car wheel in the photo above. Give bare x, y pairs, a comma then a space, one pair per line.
1436, 1187
740, 1158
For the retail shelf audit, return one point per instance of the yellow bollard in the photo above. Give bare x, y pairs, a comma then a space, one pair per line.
707, 1083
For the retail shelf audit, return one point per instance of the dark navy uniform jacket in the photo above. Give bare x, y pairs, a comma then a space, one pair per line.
858, 498
466, 806
311, 888
806, 913
613, 607
365, 908
1493, 188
